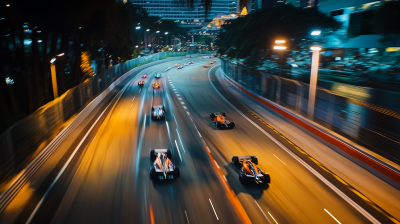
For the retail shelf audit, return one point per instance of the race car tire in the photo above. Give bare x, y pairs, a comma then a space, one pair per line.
235, 160
241, 179
152, 173
177, 172
152, 155
223, 114
254, 160
169, 153
212, 115
267, 179
218, 124
232, 124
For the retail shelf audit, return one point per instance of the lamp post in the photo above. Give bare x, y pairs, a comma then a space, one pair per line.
281, 49
54, 77
313, 80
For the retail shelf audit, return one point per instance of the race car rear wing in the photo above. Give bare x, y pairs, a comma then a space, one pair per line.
160, 151
240, 159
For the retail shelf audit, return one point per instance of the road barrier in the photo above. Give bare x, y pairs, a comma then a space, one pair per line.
23, 141
365, 124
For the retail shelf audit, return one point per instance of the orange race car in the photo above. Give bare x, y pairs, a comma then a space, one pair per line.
141, 83
249, 172
156, 85
162, 168
219, 120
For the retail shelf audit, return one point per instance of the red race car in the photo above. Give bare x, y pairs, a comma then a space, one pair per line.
144, 76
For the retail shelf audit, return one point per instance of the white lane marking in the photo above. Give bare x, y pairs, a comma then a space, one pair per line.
140, 90
332, 216
178, 94
184, 107
178, 150
187, 217
216, 164
213, 209
263, 212
179, 98
180, 140
279, 159
131, 105
182, 102
133, 99
272, 218
70, 158
318, 175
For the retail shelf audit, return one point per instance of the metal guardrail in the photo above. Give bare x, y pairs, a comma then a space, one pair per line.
27, 138
351, 118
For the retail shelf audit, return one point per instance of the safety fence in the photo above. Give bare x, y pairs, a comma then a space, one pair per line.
21, 142
362, 123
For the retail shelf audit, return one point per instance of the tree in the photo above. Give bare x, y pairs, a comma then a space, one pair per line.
385, 21
257, 31
103, 29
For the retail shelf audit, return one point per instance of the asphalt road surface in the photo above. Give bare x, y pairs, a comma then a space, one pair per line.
107, 180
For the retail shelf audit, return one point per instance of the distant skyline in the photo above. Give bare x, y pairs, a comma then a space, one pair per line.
173, 10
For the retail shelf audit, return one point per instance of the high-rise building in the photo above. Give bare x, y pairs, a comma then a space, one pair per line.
184, 15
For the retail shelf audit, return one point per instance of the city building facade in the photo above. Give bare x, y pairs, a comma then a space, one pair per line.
187, 16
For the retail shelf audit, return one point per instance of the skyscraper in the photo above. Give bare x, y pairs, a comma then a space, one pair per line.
174, 10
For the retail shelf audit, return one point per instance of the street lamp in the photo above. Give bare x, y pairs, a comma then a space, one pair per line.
54, 77
315, 32
138, 27
313, 80
148, 30
281, 49
157, 31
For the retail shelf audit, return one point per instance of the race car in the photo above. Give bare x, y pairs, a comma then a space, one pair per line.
176, 65
179, 67
219, 120
144, 76
158, 75
163, 168
156, 86
158, 112
211, 62
191, 62
249, 172
206, 66
141, 83
166, 70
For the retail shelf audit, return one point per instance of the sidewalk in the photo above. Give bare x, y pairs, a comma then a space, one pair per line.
379, 191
